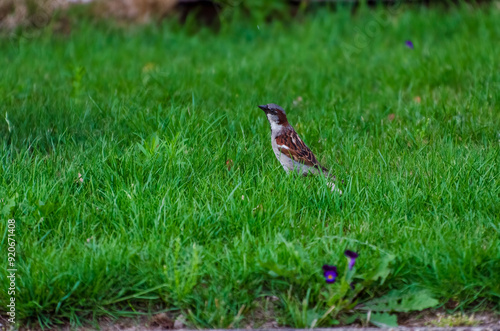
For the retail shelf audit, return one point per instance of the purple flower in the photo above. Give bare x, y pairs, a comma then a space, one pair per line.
330, 273
409, 44
352, 256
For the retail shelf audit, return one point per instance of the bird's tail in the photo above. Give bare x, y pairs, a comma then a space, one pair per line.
331, 181
334, 189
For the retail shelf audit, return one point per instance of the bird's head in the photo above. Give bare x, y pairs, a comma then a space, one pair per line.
275, 114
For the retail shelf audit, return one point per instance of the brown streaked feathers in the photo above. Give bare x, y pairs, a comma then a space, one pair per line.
297, 150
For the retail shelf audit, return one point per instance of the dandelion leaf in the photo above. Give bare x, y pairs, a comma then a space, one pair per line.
401, 301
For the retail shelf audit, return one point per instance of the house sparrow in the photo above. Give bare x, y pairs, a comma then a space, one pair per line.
289, 149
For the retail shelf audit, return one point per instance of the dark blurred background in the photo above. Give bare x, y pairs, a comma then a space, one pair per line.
34, 14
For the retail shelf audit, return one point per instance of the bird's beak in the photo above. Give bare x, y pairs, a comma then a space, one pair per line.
264, 107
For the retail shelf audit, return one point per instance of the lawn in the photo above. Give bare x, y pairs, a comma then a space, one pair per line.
139, 170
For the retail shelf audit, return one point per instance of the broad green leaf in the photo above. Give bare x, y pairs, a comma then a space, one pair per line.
384, 269
312, 316
401, 301
9, 205
384, 320
352, 318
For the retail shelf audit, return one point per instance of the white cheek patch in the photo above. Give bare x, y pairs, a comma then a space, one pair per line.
275, 127
272, 118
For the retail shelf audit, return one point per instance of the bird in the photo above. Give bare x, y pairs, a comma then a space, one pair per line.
289, 149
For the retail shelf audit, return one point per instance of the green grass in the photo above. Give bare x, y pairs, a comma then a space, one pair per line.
150, 115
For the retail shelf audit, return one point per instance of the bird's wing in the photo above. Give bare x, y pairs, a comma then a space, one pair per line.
291, 145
